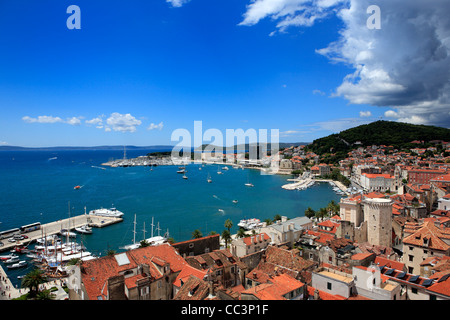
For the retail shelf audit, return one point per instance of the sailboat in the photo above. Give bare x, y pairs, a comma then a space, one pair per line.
85, 229
209, 178
153, 240
219, 172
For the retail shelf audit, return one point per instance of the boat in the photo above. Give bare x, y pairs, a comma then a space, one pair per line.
250, 224
77, 187
17, 265
248, 184
185, 177
113, 212
14, 259
209, 178
67, 233
85, 229
235, 201
8, 256
225, 168
152, 241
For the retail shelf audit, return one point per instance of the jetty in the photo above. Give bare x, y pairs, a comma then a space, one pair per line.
55, 227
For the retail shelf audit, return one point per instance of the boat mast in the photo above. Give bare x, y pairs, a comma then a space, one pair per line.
144, 230
134, 231
157, 228
152, 226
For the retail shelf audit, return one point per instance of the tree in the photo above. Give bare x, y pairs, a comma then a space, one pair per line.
226, 235
240, 233
309, 213
144, 243
268, 222
228, 224
32, 280
196, 234
45, 295
276, 218
111, 252
321, 213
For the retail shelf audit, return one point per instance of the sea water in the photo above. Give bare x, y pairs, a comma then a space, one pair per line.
38, 186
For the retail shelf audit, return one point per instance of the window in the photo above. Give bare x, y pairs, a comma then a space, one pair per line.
329, 285
410, 270
411, 258
432, 297
414, 290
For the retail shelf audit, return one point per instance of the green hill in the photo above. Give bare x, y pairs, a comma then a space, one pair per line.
389, 133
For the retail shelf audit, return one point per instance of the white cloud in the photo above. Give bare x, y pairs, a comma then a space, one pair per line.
42, 119
156, 126
4, 143
405, 65
95, 121
365, 114
391, 114
74, 121
318, 92
177, 3
122, 122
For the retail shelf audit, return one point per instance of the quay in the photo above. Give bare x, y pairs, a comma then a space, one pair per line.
55, 227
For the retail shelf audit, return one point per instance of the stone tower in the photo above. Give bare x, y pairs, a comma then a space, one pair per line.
378, 215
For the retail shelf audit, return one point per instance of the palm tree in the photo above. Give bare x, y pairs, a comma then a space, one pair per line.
228, 224
310, 212
32, 280
196, 234
45, 295
276, 218
268, 222
240, 233
226, 235
144, 243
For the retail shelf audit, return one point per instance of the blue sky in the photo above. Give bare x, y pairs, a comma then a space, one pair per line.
138, 70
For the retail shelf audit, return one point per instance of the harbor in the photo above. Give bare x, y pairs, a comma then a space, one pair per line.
54, 228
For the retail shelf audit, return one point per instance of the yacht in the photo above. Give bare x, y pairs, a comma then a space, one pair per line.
250, 224
113, 212
85, 229
67, 233
17, 265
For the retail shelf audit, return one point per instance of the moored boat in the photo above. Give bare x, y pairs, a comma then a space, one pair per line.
113, 212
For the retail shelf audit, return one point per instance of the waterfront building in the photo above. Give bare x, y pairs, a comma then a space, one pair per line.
198, 246
377, 182
286, 231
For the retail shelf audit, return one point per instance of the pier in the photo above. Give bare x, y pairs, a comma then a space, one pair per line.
56, 226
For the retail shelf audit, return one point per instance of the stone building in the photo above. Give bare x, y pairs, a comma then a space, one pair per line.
378, 215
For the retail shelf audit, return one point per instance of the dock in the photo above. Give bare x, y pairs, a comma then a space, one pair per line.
55, 227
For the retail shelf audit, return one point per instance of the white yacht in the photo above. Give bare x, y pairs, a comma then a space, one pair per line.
85, 229
113, 212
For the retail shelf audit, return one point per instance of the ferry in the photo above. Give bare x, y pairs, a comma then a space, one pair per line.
250, 224
113, 212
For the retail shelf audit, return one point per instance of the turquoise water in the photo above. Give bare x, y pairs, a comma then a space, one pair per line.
38, 186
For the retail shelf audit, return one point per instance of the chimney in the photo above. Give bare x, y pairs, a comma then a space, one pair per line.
316, 294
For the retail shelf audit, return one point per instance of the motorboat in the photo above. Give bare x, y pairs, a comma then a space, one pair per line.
67, 233
85, 229
250, 224
17, 265
113, 212
14, 259
185, 177
248, 184
8, 256
235, 201
77, 187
